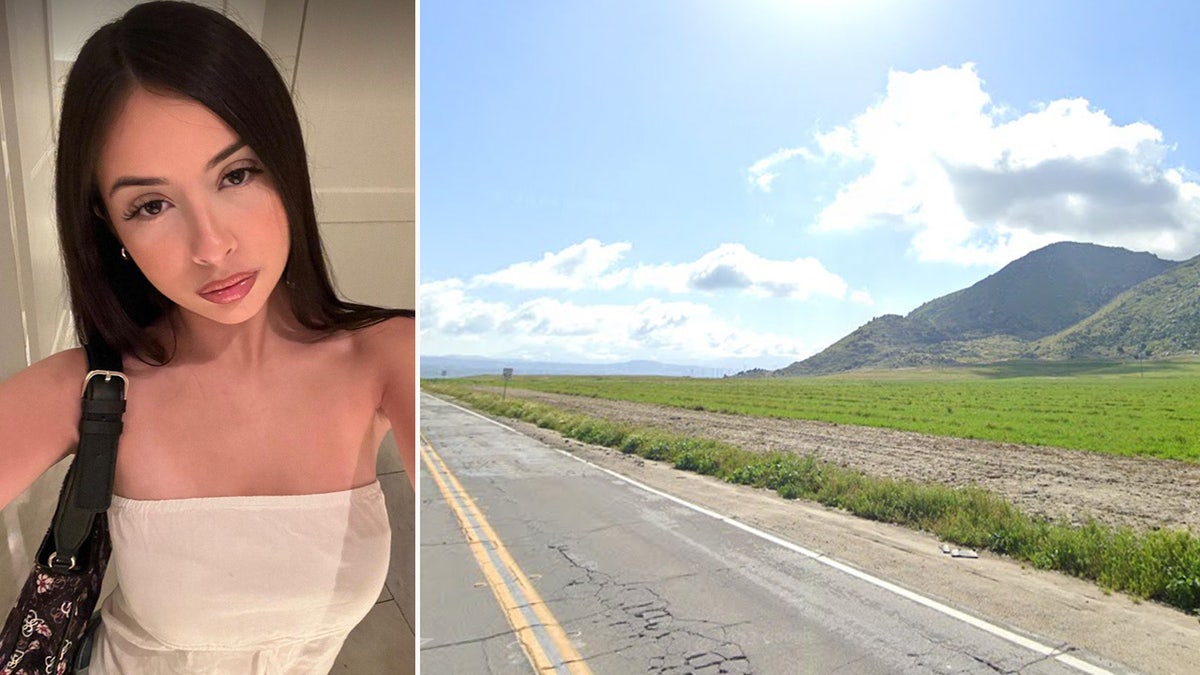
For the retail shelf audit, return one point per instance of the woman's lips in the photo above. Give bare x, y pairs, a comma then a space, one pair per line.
231, 289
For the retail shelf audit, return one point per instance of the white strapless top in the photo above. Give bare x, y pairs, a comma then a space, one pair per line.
240, 584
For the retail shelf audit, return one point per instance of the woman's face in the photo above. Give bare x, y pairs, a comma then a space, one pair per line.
193, 206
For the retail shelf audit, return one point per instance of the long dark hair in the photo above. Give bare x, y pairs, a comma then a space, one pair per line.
185, 49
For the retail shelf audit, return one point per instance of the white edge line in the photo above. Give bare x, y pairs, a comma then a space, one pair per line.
975, 621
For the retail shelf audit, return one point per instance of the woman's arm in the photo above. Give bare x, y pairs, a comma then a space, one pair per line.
394, 349
39, 419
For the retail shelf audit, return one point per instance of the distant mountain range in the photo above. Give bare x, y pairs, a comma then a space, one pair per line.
1067, 300
463, 366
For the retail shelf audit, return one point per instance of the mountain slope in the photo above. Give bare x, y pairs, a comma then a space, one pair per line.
997, 318
1041, 293
1158, 317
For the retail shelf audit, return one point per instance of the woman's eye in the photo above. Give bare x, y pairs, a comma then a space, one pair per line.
241, 175
147, 209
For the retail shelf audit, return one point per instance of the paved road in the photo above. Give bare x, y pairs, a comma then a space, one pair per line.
641, 584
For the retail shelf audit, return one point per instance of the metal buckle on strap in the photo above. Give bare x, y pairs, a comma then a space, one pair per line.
108, 376
53, 556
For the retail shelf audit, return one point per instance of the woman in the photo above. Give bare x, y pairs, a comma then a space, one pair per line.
248, 529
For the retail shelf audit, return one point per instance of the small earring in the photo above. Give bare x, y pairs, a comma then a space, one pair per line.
124, 254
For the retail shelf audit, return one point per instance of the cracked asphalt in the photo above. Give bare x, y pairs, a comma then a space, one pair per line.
641, 584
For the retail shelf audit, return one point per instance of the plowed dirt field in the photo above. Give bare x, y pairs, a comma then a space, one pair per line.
1076, 485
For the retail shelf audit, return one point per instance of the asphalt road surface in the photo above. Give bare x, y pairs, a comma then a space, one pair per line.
534, 561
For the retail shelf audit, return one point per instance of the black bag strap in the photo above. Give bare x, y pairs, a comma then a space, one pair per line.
104, 392
88, 487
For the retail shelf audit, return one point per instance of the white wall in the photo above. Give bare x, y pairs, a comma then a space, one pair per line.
32, 295
355, 81
352, 66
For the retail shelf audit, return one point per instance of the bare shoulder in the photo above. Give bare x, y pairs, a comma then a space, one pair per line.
388, 351
391, 350
388, 341
55, 376
39, 418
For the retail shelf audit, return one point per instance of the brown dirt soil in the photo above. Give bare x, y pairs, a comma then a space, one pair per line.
1137, 492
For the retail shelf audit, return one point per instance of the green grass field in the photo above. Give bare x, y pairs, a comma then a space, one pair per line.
1149, 408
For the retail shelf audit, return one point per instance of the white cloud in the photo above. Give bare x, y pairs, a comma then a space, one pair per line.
862, 298
975, 183
734, 268
578, 266
762, 173
727, 268
453, 322
482, 315
446, 308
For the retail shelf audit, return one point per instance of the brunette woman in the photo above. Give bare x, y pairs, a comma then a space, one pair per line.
248, 528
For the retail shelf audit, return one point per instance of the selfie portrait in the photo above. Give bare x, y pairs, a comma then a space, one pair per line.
207, 336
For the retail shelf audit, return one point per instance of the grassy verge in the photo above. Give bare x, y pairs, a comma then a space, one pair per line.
1161, 565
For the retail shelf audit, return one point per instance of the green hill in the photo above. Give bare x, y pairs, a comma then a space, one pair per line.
1041, 293
998, 318
1159, 317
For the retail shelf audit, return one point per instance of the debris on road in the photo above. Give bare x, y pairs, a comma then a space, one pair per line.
959, 552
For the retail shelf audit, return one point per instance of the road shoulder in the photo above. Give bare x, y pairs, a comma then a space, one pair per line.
1146, 636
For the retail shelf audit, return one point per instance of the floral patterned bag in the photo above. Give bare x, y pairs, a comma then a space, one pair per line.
53, 614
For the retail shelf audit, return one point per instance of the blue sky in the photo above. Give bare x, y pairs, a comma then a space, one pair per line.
740, 184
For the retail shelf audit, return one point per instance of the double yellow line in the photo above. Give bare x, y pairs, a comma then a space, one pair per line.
540, 635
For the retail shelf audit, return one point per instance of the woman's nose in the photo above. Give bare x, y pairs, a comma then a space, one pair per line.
213, 239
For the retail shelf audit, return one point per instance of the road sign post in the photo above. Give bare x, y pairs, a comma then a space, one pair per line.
507, 376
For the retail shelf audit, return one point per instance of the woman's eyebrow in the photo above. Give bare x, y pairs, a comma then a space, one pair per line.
127, 181
222, 155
